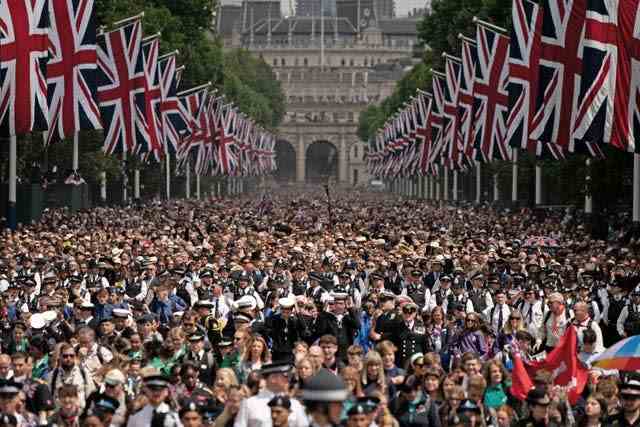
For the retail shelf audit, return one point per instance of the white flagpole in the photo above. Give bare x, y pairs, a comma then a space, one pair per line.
188, 183
75, 159
124, 176
168, 174
438, 184
11, 208
455, 186
103, 186
636, 189
588, 198
496, 195
538, 185
478, 182
514, 177
136, 184
445, 194
198, 186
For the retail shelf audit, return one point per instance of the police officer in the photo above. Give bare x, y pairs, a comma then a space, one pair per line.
386, 320
157, 391
630, 398
628, 323
415, 289
299, 283
340, 321
323, 395
280, 410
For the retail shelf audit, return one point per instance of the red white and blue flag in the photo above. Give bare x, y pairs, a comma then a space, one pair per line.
465, 100
193, 107
72, 69
152, 98
490, 95
121, 88
24, 51
453, 68
173, 124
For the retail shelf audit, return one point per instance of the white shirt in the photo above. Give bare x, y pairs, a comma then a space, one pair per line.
143, 417
623, 318
582, 326
532, 316
492, 314
254, 412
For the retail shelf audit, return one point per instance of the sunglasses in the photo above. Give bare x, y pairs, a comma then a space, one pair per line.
409, 310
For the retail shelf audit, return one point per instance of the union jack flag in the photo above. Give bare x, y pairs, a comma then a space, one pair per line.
524, 57
193, 107
490, 95
453, 67
423, 129
24, 45
72, 69
435, 119
465, 99
559, 72
152, 98
121, 88
173, 124
228, 161
608, 106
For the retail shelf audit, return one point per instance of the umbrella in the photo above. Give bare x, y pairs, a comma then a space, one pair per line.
540, 242
623, 356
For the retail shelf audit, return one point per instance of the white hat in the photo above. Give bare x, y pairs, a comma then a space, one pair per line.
37, 321
246, 301
121, 312
286, 302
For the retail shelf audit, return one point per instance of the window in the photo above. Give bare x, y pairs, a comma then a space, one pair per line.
306, 62
343, 62
355, 152
275, 62
355, 177
351, 62
282, 62
366, 62
297, 62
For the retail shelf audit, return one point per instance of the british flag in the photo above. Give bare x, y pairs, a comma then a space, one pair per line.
453, 67
608, 101
193, 107
228, 160
465, 100
173, 124
121, 88
559, 71
435, 120
423, 129
24, 45
524, 56
490, 97
72, 69
152, 98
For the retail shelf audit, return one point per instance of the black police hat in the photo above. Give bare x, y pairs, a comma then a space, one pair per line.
281, 401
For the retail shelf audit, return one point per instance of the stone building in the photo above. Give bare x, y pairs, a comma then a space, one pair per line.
330, 70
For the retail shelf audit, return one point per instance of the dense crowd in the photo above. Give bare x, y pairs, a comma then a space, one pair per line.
367, 310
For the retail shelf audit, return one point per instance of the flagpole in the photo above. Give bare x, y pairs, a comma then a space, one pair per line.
538, 185
128, 20
478, 182
438, 184
514, 177
136, 184
445, 194
124, 176
496, 195
636, 190
103, 187
167, 167
455, 186
588, 198
75, 157
198, 186
11, 207
188, 183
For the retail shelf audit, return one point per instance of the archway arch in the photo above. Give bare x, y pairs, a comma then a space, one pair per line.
321, 162
286, 161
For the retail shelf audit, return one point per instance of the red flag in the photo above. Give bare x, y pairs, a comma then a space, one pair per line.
520, 381
564, 365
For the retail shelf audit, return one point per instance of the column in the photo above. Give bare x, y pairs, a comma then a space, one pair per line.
342, 160
455, 186
538, 185
12, 211
300, 160
437, 183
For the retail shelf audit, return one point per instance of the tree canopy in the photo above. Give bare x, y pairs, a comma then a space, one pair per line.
437, 32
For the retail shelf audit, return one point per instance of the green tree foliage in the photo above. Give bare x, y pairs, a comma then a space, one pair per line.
438, 32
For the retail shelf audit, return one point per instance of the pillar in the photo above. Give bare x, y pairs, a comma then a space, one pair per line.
198, 186
300, 160
496, 194
342, 160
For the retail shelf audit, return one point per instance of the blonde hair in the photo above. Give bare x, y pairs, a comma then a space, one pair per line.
227, 376
373, 357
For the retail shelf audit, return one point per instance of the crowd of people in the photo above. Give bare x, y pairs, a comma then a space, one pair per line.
367, 310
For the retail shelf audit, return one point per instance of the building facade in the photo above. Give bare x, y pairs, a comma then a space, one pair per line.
330, 71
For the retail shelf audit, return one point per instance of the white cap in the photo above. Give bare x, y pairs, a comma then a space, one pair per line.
286, 302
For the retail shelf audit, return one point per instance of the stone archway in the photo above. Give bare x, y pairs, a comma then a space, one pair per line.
286, 161
321, 162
